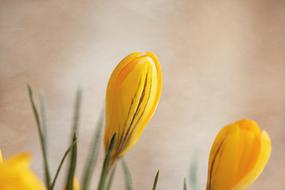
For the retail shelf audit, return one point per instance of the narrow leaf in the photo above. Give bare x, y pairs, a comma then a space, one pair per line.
194, 173
42, 135
185, 184
37, 117
44, 118
106, 164
93, 155
155, 180
73, 157
61, 164
110, 179
127, 175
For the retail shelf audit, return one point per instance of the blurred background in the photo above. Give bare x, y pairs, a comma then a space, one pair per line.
222, 61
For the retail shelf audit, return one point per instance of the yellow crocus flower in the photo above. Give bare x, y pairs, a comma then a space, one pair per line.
132, 96
15, 174
238, 156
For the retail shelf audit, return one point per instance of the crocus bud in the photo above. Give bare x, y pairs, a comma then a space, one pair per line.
132, 96
238, 156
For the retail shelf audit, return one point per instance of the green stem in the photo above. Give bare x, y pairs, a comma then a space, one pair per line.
106, 164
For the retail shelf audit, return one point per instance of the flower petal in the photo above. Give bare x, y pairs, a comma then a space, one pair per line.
16, 174
259, 165
1, 157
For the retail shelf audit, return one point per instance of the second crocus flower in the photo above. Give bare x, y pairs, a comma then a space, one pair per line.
238, 156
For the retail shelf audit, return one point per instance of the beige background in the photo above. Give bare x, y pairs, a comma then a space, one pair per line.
222, 61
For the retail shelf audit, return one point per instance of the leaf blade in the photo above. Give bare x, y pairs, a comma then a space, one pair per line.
73, 157
61, 164
155, 180
185, 184
127, 175
93, 155
193, 174
42, 135
110, 179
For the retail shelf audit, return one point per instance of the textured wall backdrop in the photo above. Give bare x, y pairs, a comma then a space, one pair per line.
222, 61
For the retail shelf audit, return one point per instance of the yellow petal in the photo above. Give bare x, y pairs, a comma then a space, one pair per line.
19, 160
249, 147
259, 165
75, 183
132, 96
16, 174
221, 174
1, 157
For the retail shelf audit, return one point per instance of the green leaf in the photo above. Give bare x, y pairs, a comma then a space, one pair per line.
61, 164
110, 179
194, 173
73, 157
42, 133
127, 175
44, 118
37, 117
155, 180
106, 164
185, 184
93, 155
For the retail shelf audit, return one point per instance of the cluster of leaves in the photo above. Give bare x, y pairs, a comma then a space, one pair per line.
107, 173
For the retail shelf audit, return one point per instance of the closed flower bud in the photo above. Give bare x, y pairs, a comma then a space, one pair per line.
238, 156
132, 96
